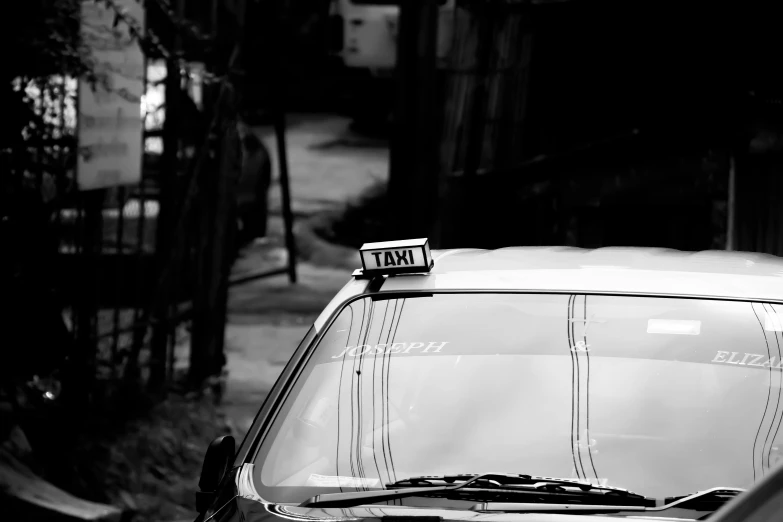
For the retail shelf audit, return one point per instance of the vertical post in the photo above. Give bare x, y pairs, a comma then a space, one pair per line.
166, 202
214, 9
200, 296
278, 90
203, 309
413, 173
217, 188
285, 189
199, 361
88, 305
731, 215
222, 233
229, 171
477, 105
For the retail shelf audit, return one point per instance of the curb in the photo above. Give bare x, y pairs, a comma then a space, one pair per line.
315, 250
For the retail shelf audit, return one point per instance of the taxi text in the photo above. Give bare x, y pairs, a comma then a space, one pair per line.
394, 258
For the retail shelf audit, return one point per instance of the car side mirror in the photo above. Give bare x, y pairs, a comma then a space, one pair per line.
217, 462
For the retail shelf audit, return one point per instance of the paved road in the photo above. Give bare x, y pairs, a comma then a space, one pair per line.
328, 164
328, 167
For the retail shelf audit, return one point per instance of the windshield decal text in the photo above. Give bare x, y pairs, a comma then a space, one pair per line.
328, 481
387, 348
748, 359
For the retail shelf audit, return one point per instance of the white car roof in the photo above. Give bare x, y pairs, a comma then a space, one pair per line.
710, 274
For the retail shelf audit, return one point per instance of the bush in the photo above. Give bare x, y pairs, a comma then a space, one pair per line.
149, 465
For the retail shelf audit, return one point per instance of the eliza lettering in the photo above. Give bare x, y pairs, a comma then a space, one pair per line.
383, 349
748, 359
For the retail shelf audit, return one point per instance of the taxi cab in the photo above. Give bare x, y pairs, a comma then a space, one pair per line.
523, 384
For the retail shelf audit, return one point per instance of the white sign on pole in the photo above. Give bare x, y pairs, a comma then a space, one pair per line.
110, 118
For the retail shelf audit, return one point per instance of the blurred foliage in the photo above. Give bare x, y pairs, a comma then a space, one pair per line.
44, 38
144, 454
146, 463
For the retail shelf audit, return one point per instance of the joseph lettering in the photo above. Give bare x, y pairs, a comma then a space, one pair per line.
386, 348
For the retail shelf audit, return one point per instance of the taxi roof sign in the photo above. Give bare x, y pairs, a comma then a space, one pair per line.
411, 256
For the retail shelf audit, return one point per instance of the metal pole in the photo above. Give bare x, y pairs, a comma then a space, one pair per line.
282, 153
88, 303
167, 198
731, 207
203, 332
223, 239
285, 189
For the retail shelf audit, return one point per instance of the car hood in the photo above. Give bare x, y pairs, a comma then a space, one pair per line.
250, 510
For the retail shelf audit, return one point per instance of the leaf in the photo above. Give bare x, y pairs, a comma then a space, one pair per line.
128, 500
159, 472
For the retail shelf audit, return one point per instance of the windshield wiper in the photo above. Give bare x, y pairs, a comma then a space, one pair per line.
709, 500
510, 479
496, 484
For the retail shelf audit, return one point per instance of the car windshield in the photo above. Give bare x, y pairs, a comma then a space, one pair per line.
661, 396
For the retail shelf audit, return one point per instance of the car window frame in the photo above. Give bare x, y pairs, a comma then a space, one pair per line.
754, 503
289, 378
